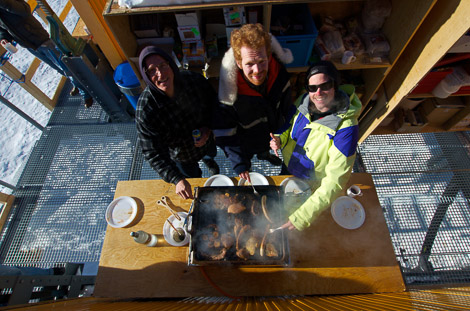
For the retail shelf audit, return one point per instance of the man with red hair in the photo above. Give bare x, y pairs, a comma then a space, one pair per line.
255, 96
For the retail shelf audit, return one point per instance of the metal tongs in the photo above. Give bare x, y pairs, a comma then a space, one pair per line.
164, 203
274, 230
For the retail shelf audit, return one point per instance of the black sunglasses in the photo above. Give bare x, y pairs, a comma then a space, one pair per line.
323, 87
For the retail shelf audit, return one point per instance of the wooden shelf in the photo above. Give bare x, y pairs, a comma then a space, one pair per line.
399, 28
113, 7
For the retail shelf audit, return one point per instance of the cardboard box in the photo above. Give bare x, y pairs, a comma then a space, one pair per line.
437, 110
194, 53
188, 27
234, 16
189, 33
188, 19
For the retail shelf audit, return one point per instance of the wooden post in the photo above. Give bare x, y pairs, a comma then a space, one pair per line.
90, 12
7, 200
30, 87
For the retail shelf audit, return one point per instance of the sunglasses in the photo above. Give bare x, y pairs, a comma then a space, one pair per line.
323, 87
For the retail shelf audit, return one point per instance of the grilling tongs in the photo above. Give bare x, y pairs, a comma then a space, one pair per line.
164, 203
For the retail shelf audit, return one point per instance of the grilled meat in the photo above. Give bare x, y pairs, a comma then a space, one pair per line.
236, 208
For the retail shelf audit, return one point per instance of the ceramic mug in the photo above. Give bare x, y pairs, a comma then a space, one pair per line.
354, 191
348, 57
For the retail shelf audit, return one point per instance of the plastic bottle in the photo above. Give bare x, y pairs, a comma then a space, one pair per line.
196, 135
9, 47
143, 237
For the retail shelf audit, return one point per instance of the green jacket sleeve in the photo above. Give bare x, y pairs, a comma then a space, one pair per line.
337, 173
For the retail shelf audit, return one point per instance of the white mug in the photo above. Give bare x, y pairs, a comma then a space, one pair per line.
354, 191
348, 57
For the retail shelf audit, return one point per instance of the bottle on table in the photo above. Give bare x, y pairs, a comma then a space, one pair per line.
145, 238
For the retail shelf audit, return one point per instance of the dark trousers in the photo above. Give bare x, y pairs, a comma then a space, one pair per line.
192, 169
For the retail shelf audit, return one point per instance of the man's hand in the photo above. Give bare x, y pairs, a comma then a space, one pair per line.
288, 225
205, 135
246, 176
183, 189
275, 143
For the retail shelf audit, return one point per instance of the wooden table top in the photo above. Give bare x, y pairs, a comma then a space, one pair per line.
325, 258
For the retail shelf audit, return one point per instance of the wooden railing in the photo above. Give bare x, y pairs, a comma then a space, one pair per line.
26, 79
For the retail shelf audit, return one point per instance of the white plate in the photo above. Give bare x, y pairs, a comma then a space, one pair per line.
168, 230
348, 212
296, 185
121, 212
218, 180
256, 179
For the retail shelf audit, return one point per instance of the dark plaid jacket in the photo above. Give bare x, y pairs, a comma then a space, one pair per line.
165, 125
18, 23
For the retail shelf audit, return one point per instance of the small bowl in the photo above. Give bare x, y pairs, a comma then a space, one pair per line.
168, 231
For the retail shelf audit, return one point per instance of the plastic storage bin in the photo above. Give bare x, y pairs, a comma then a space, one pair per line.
299, 31
128, 83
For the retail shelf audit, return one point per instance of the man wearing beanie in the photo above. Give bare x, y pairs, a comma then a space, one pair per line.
319, 144
171, 107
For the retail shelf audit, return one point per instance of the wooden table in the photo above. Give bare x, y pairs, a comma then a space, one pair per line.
325, 258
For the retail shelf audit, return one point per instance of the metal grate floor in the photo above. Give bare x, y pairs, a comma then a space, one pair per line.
422, 180
64, 191
423, 184
71, 110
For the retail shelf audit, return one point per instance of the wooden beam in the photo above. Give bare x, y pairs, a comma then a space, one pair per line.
31, 88
7, 200
65, 11
90, 12
32, 69
445, 24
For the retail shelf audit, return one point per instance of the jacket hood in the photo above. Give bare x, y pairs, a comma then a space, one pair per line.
153, 50
229, 70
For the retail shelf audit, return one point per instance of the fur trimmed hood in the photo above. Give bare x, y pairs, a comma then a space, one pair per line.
229, 70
